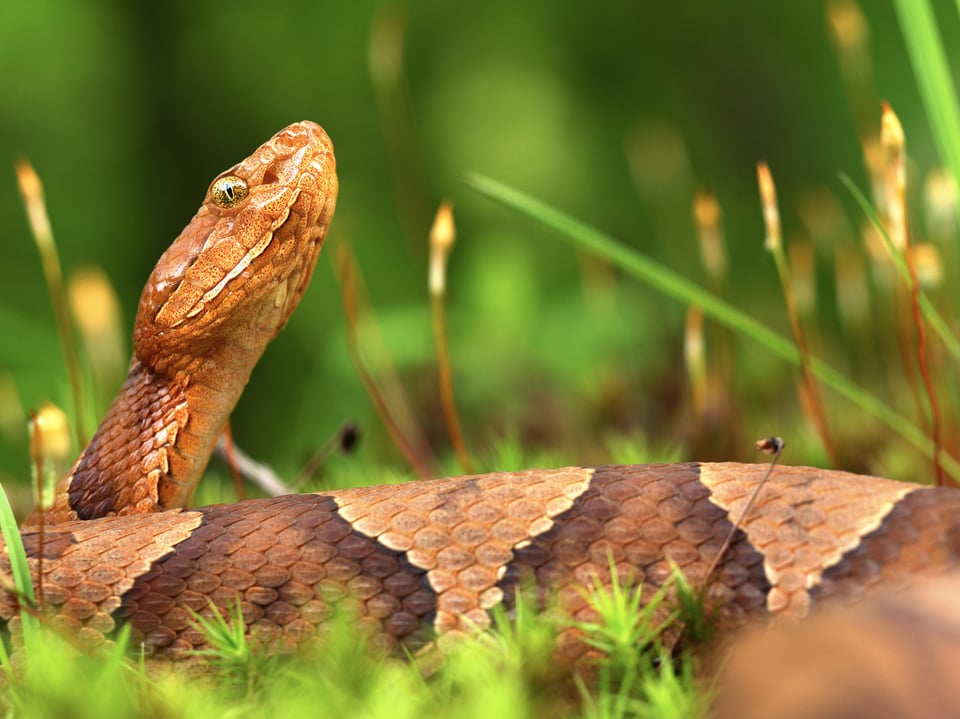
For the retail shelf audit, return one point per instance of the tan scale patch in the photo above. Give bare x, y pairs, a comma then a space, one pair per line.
111, 554
803, 522
464, 532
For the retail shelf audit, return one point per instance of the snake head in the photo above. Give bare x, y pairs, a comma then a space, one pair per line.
236, 273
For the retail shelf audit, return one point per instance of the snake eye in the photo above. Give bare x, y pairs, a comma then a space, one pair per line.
229, 191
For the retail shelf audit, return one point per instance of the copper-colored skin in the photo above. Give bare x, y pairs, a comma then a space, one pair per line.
218, 295
894, 657
425, 557
421, 559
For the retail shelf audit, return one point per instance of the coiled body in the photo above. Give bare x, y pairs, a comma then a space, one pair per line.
434, 557
420, 559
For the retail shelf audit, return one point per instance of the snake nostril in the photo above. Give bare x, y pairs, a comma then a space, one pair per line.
269, 177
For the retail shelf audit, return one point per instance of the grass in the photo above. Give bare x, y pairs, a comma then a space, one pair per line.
683, 290
507, 672
934, 79
241, 662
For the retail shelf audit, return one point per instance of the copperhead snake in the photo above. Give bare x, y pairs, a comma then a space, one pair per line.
419, 558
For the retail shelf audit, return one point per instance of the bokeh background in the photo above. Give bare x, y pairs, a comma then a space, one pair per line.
618, 113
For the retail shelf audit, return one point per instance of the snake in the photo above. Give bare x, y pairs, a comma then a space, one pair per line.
219, 294
892, 657
421, 561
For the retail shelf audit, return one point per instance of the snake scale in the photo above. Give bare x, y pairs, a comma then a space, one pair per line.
422, 558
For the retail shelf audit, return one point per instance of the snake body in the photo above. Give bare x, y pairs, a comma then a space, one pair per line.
419, 559
894, 657
435, 556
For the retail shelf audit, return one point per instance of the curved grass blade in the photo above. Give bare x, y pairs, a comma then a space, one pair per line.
932, 72
937, 322
672, 284
22, 581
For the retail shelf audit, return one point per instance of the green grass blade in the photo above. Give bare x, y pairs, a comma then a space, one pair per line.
652, 273
683, 290
937, 322
22, 580
932, 72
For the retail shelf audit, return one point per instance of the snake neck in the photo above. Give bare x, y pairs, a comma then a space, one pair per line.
153, 445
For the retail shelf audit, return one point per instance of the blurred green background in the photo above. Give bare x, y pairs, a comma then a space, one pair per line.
618, 113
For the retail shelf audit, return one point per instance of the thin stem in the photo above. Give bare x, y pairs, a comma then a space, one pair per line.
683, 290
346, 271
31, 189
442, 236
774, 244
